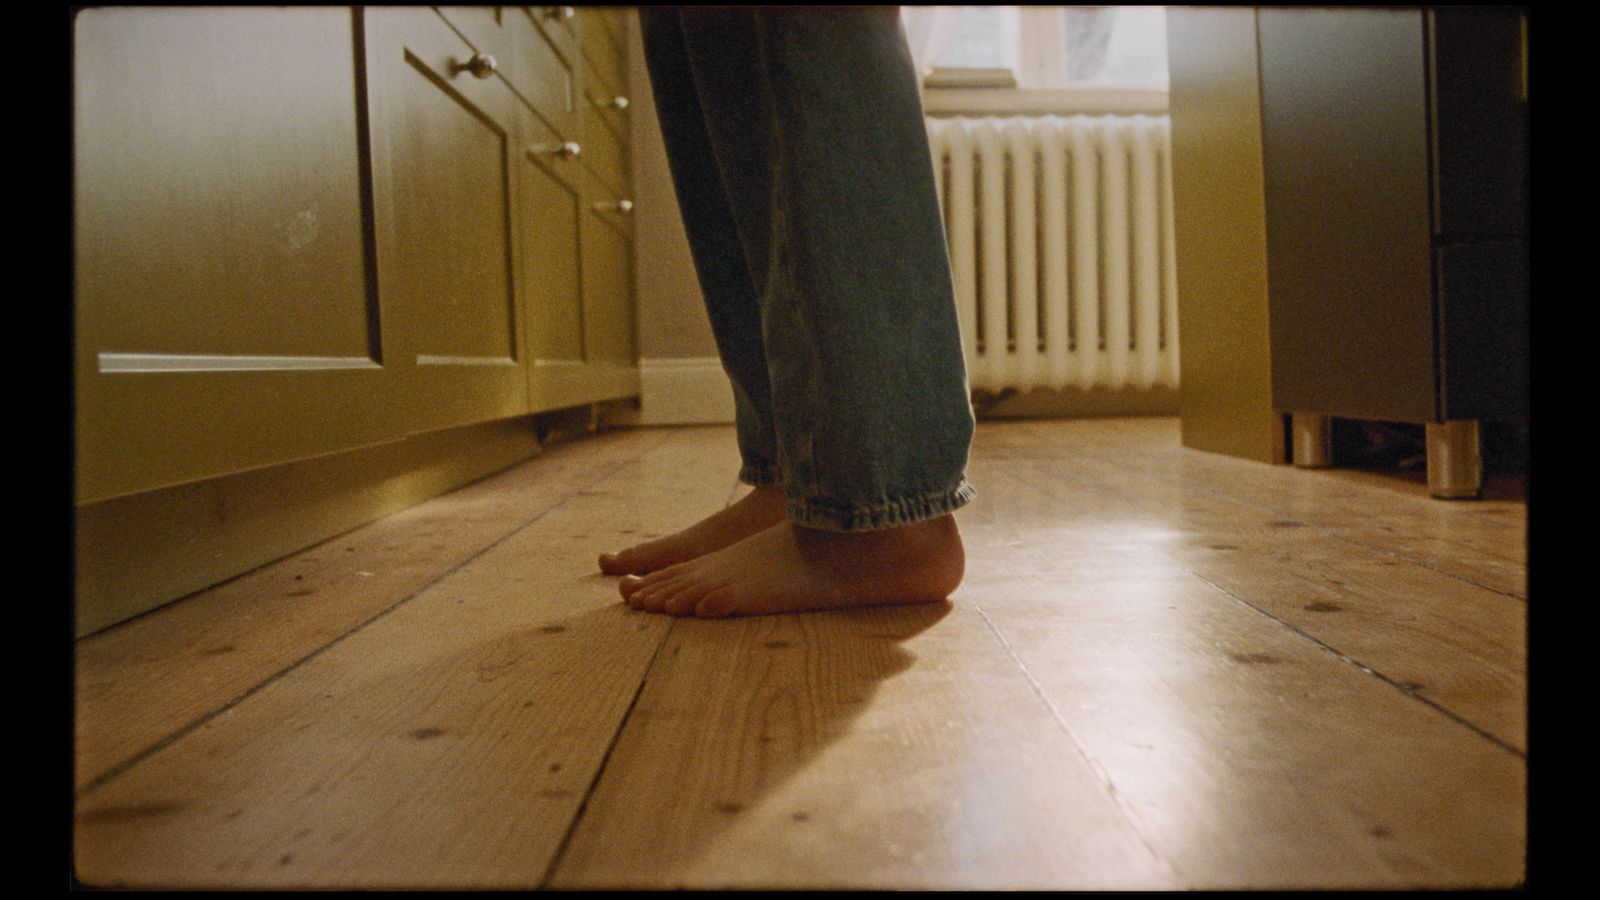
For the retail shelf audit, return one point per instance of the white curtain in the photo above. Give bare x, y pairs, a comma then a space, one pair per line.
1088, 36
930, 31
1057, 45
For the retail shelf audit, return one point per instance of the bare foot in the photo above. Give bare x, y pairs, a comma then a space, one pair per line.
756, 511
788, 568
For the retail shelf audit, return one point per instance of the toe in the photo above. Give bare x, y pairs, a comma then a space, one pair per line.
629, 586
716, 605
683, 602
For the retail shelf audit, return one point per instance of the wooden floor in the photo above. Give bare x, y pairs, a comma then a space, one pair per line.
1166, 669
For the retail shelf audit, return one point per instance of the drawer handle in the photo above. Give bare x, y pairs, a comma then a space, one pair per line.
560, 13
621, 206
564, 150
618, 103
481, 65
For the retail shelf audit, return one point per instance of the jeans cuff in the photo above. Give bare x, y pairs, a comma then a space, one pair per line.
830, 516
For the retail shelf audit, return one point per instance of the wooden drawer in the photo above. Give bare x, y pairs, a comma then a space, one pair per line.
559, 24
444, 141
601, 36
605, 135
542, 69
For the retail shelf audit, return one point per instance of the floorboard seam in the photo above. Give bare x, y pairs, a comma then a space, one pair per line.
179, 733
1365, 669
560, 853
1354, 542
1072, 735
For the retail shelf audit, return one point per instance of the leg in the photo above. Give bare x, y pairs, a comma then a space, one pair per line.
728, 277
815, 124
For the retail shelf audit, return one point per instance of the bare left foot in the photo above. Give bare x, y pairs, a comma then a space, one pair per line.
756, 511
788, 568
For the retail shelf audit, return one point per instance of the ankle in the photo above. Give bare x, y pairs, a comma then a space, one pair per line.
931, 542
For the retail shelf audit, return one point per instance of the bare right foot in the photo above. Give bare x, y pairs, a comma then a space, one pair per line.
755, 512
788, 568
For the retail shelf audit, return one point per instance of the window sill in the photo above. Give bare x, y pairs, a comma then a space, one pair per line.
938, 99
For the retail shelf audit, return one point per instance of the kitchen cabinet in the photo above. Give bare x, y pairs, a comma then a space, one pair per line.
1395, 164
329, 261
304, 230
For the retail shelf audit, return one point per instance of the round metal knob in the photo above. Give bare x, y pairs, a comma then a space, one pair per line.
564, 150
619, 103
481, 65
621, 206
560, 13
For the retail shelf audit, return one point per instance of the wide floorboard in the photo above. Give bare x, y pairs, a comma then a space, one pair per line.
1166, 670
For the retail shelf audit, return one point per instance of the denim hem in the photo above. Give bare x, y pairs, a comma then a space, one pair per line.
828, 516
760, 476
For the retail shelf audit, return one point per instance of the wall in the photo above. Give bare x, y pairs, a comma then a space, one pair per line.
680, 375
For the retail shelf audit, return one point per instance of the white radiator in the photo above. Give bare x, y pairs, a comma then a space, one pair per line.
1060, 232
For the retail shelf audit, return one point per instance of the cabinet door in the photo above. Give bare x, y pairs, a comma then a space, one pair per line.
550, 191
604, 98
608, 276
443, 137
578, 247
551, 199
609, 328
225, 318
1344, 103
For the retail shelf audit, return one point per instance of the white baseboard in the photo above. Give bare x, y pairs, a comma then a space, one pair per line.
695, 391
692, 391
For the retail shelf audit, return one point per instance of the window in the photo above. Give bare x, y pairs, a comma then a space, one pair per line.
979, 40
1049, 56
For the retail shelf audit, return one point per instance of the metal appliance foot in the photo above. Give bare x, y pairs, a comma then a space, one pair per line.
1455, 460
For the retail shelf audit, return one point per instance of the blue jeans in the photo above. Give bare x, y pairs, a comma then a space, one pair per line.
801, 162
